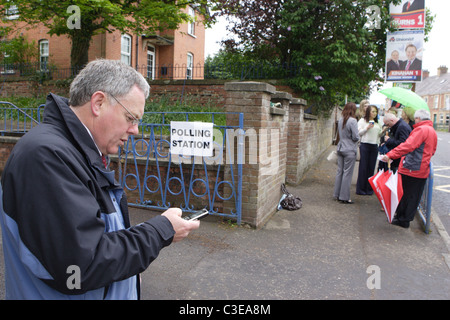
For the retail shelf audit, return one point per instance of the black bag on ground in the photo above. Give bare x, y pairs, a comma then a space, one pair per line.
289, 201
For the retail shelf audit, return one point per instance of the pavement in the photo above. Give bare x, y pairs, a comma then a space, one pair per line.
326, 250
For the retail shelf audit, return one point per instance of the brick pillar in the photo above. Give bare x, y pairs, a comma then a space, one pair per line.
264, 160
296, 141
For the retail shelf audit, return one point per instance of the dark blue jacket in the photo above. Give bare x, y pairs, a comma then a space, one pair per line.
399, 132
63, 216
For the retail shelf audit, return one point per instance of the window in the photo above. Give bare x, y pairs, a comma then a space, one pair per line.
125, 49
6, 67
436, 102
43, 55
190, 63
447, 102
12, 12
191, 25
151, 63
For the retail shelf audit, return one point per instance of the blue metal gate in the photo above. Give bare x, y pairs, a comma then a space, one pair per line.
151, 175
157, 179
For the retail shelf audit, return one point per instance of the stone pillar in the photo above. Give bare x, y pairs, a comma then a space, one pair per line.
265, 141
296, 141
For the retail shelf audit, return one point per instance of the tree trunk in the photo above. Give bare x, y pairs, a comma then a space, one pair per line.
79, 52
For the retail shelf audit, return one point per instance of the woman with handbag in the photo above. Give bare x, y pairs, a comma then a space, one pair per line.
346, 151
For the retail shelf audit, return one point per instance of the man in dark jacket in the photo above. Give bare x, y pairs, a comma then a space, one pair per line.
65, 225
399, 132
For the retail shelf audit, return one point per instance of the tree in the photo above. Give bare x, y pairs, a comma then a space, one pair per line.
339, 45
80, 20
18, 51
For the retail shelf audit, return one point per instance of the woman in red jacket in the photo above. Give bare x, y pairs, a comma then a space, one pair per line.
414, 168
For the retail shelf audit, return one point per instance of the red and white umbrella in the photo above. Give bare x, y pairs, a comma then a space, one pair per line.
394, 183
389, 191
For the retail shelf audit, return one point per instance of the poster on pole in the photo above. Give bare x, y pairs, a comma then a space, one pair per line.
404, 51
409, 14
191, 138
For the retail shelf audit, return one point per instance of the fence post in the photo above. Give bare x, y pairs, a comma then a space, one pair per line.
424, 208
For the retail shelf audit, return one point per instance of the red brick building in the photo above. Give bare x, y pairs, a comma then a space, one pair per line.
174, 54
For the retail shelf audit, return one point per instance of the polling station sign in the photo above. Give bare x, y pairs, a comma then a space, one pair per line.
191, 138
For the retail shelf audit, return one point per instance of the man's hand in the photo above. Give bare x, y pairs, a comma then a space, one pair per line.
385, 158
182, 227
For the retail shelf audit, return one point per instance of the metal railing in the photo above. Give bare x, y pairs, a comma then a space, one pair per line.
424, 208
153, 176
17, 120
160, 180
225, 71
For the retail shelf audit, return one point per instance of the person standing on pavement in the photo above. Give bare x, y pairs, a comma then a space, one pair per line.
399, 132
415, 154
346, 152
369, 130
65, 223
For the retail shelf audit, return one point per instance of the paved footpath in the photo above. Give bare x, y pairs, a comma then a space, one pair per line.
325, 250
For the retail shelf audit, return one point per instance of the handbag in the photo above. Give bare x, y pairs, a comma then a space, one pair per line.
288, 201
333, 157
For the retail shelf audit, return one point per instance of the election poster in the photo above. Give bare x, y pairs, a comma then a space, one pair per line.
404, 51
191, 138
409, 14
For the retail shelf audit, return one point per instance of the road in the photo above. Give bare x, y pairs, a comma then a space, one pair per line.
441, 189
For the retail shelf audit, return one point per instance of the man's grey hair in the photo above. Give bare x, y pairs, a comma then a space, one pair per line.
422, 115
110, 76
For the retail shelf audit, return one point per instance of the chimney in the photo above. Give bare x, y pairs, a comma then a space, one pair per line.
442, 70
425, 74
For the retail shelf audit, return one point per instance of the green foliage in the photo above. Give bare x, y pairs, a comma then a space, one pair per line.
18, 51
334, 44
168, 108
96, 16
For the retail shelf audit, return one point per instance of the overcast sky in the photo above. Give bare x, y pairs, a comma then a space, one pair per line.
436, 50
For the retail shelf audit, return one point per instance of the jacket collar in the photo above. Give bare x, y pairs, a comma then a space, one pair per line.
423, 123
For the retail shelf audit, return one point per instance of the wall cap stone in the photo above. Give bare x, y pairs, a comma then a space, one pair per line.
250, 86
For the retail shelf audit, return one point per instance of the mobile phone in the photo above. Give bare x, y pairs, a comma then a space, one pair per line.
197, 215
372, 122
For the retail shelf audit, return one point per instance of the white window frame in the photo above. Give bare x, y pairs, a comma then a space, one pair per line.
12, 13
436, 102
151, 52
191, 25
125, 49
189, 65
44, 50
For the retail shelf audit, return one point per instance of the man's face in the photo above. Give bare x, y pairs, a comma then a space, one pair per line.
411, 53
389, 123
114, 127
394, 56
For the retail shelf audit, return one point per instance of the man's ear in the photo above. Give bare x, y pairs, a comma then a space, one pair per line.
98, 102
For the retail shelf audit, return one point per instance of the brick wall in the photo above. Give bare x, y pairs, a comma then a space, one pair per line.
281, 142
6, 145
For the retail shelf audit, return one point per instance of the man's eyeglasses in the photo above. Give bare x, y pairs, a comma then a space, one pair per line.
134, 121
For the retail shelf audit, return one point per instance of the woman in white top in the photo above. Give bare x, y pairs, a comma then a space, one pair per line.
369, 130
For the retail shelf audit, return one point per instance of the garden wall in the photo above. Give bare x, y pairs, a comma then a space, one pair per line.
289, 140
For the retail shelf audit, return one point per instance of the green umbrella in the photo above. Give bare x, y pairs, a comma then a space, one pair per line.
409, 99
